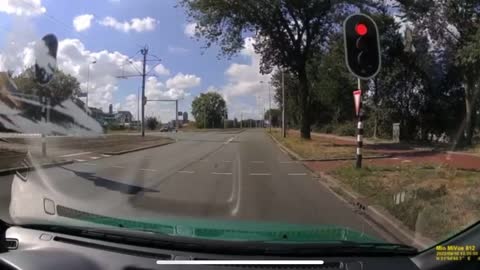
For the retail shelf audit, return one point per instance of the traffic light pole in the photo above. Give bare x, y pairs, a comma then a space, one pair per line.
359, 130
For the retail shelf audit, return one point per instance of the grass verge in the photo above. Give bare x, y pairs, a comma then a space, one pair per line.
434, 201
317, 147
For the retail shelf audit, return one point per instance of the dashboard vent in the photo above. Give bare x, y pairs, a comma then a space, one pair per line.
157, 256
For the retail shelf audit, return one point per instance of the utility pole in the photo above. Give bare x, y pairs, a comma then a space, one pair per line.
270, 105
138, 105
284, 131
204, 117
144, 52
176, 115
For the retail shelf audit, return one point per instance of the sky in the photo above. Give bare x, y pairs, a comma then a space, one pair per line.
100, 40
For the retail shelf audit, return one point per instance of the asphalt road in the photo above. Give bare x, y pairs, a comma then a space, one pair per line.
223, 175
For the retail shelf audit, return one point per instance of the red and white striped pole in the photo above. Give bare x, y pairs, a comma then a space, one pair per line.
357, 95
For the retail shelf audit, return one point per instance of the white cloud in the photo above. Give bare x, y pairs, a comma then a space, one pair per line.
177, 50
22, 7
183, 81
244, 92
75, 59
135, 24
189, 29
161, 70
82, 22
165, 111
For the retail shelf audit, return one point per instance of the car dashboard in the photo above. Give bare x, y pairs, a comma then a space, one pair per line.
37, 249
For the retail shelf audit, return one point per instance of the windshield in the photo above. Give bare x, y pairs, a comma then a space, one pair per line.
271, 121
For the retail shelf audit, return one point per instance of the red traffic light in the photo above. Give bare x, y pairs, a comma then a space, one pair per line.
361, 29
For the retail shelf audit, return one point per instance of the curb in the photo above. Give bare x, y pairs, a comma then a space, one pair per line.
386, 222
44, 166
289, 152
348, 158
136, 149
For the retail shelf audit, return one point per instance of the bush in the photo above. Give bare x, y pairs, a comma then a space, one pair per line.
345, 129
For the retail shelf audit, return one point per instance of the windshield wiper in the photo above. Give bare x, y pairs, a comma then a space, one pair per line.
346, 248
272, 248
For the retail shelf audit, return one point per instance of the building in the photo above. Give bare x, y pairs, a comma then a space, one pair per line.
123, 118
120, 118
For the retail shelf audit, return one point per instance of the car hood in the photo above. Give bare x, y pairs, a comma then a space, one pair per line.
228, 230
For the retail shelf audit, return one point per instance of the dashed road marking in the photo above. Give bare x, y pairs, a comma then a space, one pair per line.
148, 170
119, 167
260, 174
229, 140
189, 172
76, 154
103, 155
221, 173
89, 164
94, 158
79, 160
297, 174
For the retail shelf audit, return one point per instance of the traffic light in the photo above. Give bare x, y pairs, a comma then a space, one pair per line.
362, 46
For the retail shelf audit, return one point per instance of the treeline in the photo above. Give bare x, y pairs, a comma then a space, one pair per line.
429, 82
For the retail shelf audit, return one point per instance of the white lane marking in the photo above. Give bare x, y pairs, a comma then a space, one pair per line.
119, 167
76, 154
94, 158
189, 172
260, 174
89, 164
221, 173
148, 170
257, 161
229, 140
103, 155
79, 160
297, 174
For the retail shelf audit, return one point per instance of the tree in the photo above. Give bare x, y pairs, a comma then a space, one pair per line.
276, 116
209, 109
287, 33
452, 26
152, 123
60, 88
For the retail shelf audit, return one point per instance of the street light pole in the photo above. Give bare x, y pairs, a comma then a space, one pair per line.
88, 80
144, 52
284, 131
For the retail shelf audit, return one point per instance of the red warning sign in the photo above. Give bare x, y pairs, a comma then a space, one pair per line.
357, 97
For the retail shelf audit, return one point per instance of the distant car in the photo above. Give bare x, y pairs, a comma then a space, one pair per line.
166, 129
